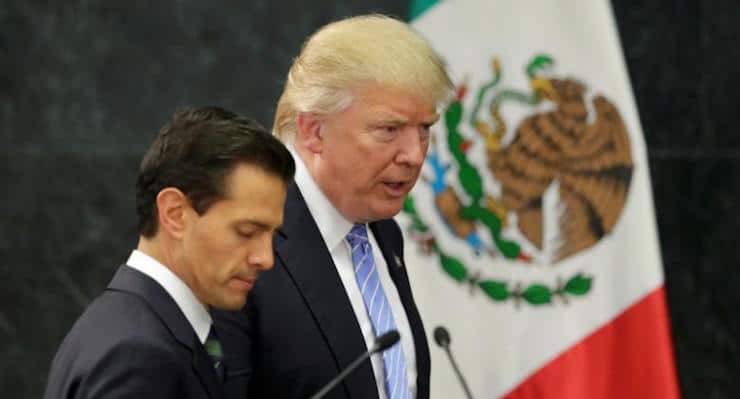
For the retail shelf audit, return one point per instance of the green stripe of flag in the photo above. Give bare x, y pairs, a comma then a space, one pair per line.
418, 7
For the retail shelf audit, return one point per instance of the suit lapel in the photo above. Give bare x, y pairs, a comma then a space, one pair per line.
302, 250
131, 280
392, 258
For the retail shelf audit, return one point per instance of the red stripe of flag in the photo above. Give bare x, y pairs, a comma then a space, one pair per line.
629, 357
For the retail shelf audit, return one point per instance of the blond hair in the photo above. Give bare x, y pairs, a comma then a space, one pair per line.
363, 49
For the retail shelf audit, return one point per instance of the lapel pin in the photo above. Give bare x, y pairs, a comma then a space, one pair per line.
399, 264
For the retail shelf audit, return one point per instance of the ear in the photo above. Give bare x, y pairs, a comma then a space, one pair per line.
309, 132
173, 208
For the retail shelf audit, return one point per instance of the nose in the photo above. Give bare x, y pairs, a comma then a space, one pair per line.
262, 257
413, 147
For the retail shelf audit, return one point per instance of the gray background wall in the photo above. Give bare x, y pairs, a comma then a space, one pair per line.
84, 85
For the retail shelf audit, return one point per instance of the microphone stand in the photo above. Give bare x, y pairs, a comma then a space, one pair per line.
457, 372
442, 338
382, 343
339, 378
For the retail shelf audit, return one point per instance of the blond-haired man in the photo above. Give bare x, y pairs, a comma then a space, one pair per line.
356, 111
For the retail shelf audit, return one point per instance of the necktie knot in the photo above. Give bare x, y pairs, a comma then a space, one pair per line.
213, 345
358, 235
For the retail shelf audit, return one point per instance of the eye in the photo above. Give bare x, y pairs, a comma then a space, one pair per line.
386, 132
246, 233
426, 128
389, 131
425, 131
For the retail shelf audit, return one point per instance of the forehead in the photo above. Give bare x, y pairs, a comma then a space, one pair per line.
380, 101
252, 192
245, 177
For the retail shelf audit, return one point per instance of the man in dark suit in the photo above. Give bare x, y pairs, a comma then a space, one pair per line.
356, 112
209, 196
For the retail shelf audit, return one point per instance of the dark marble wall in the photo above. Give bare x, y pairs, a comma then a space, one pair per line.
85, 84
683, 59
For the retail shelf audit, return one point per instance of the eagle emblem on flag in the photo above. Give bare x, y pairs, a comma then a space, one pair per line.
529, 177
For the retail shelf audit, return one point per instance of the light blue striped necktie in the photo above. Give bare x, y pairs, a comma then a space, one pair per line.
378, 308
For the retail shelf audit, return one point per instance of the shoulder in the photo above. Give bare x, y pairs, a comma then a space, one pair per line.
119, 312
111, 320
135, 365
117, 351
142, 352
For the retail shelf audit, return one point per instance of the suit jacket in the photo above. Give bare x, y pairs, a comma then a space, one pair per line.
298, 330
132, 342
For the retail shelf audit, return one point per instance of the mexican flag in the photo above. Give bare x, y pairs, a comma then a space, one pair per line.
531, 236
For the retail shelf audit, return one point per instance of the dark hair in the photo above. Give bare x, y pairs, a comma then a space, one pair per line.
195, 151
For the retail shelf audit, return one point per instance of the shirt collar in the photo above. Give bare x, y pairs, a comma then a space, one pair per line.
191, 307
332, 225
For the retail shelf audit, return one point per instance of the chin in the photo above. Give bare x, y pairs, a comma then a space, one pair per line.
386, 212
230, 304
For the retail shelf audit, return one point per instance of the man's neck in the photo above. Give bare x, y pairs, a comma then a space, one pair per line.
163, 253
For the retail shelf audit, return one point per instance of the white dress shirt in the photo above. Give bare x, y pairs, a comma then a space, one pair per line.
334, 229
196, 313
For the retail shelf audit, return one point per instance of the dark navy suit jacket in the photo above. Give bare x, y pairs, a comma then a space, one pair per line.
132, 342
298, 329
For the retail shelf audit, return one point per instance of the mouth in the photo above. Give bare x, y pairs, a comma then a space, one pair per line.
396, 188
243, 284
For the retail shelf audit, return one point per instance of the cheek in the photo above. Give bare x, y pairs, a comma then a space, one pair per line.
230, 258
216, 256
197, 250
360, 168
364, 180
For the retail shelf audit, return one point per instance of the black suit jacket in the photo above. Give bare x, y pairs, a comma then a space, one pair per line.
132, 342
298, 329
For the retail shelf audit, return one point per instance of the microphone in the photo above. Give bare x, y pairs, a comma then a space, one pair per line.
442, 337
385, 341
382, 343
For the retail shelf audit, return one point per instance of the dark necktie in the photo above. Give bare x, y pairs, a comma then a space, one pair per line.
214, 350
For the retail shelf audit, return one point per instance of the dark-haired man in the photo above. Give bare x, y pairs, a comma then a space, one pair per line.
209, 196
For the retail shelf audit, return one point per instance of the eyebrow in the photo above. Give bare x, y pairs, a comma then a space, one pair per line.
257, 223
396, 120
389, 121
432, 120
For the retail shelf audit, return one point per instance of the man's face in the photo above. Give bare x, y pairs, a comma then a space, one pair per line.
372, 152
225, 248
